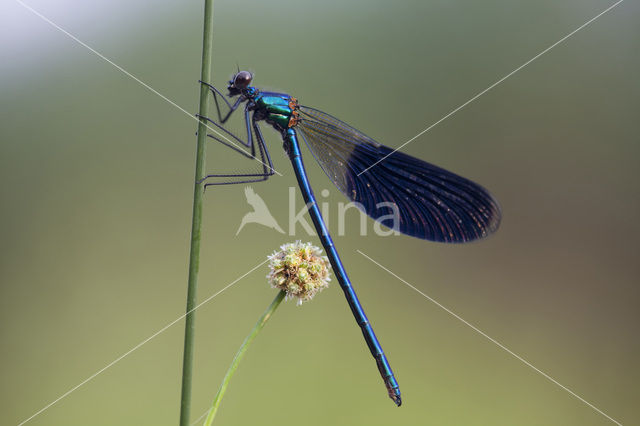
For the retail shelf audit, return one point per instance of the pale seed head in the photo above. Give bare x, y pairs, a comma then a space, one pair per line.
300, 270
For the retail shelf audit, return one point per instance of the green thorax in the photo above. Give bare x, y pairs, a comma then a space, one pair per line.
277, 109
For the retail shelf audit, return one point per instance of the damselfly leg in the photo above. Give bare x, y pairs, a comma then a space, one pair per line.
254, 137
215, 92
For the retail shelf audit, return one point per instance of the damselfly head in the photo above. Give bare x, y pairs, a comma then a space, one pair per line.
239, 81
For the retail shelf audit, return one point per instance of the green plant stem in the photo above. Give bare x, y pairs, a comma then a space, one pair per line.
236, 360
196, 224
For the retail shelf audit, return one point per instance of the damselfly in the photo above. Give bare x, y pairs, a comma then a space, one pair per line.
414, 197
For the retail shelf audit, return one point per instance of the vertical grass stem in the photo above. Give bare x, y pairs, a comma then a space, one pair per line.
196, 224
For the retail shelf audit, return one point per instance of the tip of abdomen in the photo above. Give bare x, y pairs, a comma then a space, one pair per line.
397, 400
394, 394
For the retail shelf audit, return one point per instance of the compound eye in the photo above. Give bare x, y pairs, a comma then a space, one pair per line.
242, 79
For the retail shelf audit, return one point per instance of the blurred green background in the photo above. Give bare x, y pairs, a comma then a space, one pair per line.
96, 186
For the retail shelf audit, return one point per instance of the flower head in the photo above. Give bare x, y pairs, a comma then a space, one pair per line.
300, 270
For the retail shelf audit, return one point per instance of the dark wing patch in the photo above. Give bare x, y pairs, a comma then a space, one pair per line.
430, 203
